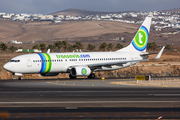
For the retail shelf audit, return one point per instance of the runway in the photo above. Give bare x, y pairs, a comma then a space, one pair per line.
82, 93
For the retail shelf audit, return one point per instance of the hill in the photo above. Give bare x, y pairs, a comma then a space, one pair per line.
84, 31
79, 12
172, 10
67, 30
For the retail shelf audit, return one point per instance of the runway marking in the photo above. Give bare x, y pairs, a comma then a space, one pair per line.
165, 94
66, 84
122, 83
87, 83
83, 102
60, 92
70, 83
17, 92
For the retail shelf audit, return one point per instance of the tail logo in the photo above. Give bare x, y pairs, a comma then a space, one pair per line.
141, 39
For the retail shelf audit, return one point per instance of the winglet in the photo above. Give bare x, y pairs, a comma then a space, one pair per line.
160, 53
48, 51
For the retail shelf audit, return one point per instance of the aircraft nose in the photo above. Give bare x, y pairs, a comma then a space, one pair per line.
7, 66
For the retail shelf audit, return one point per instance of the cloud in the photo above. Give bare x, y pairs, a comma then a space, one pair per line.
50, 6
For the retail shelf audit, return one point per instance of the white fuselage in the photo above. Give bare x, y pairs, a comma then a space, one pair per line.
62, 62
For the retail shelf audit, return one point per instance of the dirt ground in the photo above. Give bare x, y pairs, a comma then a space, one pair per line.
168, 82
46, 31
94, 32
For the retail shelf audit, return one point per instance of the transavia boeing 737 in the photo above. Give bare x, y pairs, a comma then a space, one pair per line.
84, 63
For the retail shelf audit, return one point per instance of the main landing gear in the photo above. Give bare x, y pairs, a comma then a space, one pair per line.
92, 75
72, 77
20, 78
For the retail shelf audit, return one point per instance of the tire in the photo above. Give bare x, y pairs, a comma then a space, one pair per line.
91, 76
72, 77
20, 78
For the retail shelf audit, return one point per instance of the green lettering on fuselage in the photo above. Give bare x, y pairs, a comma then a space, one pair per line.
67, 56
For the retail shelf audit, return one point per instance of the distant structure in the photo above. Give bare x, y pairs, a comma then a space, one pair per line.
29, 50
15, 42
161, 19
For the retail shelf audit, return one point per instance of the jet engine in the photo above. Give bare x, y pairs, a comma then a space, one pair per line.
80, 71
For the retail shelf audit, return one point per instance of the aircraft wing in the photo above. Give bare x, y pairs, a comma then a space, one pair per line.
115, 63
124, 62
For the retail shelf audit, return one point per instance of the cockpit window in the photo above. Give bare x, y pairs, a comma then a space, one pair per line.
11, 61
14, 61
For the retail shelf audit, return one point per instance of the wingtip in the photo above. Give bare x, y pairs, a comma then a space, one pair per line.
48, 51
160, 53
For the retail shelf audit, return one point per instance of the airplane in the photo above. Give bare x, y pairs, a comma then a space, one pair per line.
84, 63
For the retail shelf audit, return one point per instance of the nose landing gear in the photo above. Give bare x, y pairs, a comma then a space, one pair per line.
19, 75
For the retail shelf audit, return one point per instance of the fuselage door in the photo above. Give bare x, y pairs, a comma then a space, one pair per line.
131, 56
29, 62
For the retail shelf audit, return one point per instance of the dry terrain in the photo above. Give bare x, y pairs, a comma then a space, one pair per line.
94, 32
46, 31
167, 65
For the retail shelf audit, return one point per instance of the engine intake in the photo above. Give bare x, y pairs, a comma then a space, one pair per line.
80, 71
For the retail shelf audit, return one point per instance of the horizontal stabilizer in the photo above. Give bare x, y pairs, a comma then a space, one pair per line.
148, 54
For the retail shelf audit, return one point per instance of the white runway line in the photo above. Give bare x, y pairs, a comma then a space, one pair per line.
165, 94
82, 102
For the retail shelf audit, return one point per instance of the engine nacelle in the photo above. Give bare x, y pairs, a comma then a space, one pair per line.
80, 71
49, 74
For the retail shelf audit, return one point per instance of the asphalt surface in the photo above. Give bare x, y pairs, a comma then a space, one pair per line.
81, 97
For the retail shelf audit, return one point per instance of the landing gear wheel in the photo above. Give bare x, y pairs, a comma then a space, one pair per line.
72, 77
20, 78
91, 76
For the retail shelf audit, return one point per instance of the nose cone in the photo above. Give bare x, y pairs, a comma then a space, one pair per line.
7, 66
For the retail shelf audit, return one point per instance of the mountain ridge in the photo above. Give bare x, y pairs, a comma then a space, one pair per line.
80, 12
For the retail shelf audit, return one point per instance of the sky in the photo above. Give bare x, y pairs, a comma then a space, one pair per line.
51, 6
